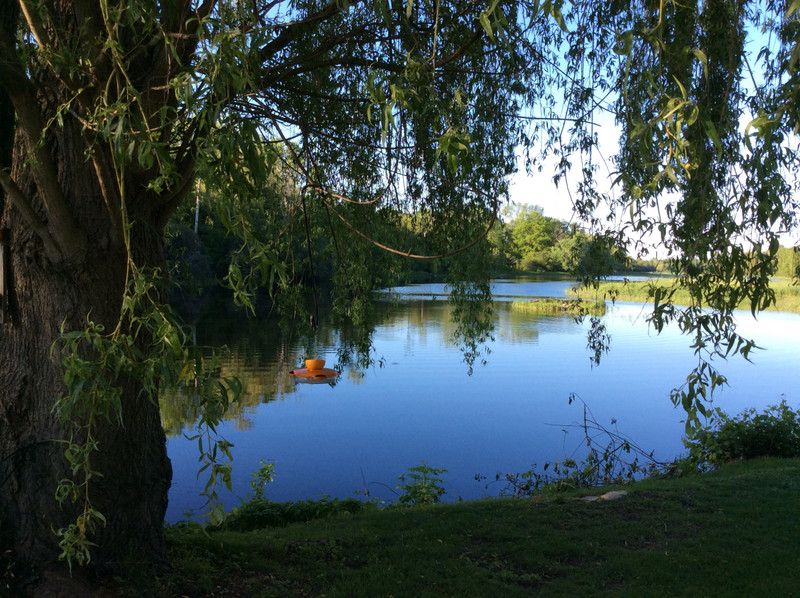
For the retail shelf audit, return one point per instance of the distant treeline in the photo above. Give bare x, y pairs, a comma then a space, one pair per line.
528, 241
788, 262
523, 239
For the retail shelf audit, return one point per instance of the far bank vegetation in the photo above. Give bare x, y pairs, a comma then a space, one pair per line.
784, 286
575, 307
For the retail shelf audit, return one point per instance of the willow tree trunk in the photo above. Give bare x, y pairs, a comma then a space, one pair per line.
44, 296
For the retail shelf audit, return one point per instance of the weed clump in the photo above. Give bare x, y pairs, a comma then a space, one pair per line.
421, 485
260, 514
775, 432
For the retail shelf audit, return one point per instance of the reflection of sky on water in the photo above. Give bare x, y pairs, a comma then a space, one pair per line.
502, 290
524, 287
421, 405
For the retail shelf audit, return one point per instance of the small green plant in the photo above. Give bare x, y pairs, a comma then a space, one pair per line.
775, 432
421, 485
260, 478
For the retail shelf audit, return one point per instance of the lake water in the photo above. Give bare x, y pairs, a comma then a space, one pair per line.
421, 404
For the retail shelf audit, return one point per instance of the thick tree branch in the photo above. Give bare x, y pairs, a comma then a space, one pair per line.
310, 62
344, 39
301, 69
62, 226
111, 198
20, 202
35, 24
440, 62
290, 31
203, 10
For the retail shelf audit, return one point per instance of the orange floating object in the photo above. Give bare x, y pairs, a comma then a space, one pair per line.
320, 374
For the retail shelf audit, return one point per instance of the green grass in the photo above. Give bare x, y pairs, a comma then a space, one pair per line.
552, 305
732, 532
787, 294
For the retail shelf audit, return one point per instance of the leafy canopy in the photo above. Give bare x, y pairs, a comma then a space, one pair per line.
366, 111
704, 94
371, 109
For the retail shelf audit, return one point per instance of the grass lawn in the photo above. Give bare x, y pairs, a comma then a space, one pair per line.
732, 532
787, 294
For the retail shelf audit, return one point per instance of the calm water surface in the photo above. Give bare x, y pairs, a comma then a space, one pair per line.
373, 424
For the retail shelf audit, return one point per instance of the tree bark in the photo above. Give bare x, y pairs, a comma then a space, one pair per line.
136, 472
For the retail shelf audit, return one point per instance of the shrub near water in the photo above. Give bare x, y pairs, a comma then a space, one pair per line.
421, 485
772, 433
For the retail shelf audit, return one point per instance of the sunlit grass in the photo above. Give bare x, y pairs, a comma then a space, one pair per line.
733, 532
787, 294
569, 306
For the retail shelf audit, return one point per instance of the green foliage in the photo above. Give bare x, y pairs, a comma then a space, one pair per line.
704, 527
598, 339
573, 306
214, 400
259, 513
421, 485
533, 239
774, 432
533, 242
260, 478
716, 197
535, 232
473, 314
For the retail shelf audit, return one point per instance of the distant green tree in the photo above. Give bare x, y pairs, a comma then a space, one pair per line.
533, 235
569, 251
501, 244
537, 243
788, 262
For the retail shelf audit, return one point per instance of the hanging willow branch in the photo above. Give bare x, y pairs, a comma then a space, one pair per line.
322, 193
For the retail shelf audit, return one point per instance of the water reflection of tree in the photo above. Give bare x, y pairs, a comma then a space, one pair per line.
262, 357
256, 352
517, 327
262, 384
510, 326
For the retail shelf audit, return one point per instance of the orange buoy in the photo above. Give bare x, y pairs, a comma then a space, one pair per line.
320, 374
